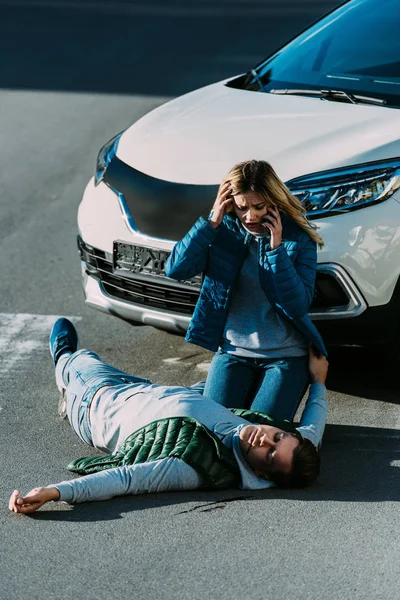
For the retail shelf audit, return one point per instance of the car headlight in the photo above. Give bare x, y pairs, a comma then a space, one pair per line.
341, 190
104, 158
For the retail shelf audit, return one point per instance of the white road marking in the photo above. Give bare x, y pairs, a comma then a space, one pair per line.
21, 335
173, 361
204, 366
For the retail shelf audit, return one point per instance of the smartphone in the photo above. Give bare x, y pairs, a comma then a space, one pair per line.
266, 229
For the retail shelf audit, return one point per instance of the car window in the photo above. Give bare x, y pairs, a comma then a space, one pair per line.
356, 48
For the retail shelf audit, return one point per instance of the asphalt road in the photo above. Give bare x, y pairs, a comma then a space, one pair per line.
71, 75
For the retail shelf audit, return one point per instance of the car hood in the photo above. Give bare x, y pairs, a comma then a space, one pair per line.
198, 137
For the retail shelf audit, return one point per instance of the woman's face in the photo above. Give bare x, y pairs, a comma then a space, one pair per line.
250, 209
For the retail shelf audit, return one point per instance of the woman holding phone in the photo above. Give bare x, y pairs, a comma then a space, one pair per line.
258, 254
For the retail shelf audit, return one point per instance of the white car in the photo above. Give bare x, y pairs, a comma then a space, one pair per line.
324, 111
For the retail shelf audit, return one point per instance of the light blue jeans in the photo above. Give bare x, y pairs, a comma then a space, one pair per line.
274, 386
81, 375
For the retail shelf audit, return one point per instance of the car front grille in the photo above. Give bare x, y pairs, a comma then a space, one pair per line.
177, 297
152, 291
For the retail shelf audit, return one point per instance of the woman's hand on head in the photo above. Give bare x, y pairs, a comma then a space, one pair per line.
33, 499
222, 202
273, 222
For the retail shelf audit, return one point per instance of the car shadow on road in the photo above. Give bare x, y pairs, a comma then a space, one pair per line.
359, 464
138, 47
364, 373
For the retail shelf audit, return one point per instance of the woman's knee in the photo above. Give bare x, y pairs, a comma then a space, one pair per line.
281, 389
229, 381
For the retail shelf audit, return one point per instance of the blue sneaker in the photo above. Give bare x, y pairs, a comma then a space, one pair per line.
63, 338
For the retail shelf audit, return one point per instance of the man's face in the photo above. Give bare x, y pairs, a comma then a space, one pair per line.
268, 449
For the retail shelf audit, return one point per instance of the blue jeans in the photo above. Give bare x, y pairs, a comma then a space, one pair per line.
274, 386
81, 375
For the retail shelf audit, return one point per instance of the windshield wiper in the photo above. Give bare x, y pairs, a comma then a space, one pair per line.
256, 76
334, 95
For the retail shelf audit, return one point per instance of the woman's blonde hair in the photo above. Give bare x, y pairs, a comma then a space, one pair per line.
258, 176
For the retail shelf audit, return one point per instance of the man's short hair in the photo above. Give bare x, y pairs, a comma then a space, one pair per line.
305, 469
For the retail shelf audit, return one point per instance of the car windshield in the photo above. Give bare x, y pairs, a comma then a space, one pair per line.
356, 49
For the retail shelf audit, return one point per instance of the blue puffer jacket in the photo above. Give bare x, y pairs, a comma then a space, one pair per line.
287, 275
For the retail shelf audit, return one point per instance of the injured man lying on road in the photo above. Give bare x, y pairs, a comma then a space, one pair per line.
167, 438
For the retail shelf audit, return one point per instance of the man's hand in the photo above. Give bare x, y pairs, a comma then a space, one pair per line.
318, 366
33, 500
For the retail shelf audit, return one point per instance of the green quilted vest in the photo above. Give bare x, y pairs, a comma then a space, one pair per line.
183, 438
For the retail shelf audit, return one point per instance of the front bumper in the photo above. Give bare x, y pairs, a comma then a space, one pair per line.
169, 304
97, 297
149, 300
377, 325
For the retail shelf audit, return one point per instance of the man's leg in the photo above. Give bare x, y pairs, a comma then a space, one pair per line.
282, 386
79, 375
75, 397
85, 367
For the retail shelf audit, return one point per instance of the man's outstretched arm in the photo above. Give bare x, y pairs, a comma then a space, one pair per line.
169, 474
313, 419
